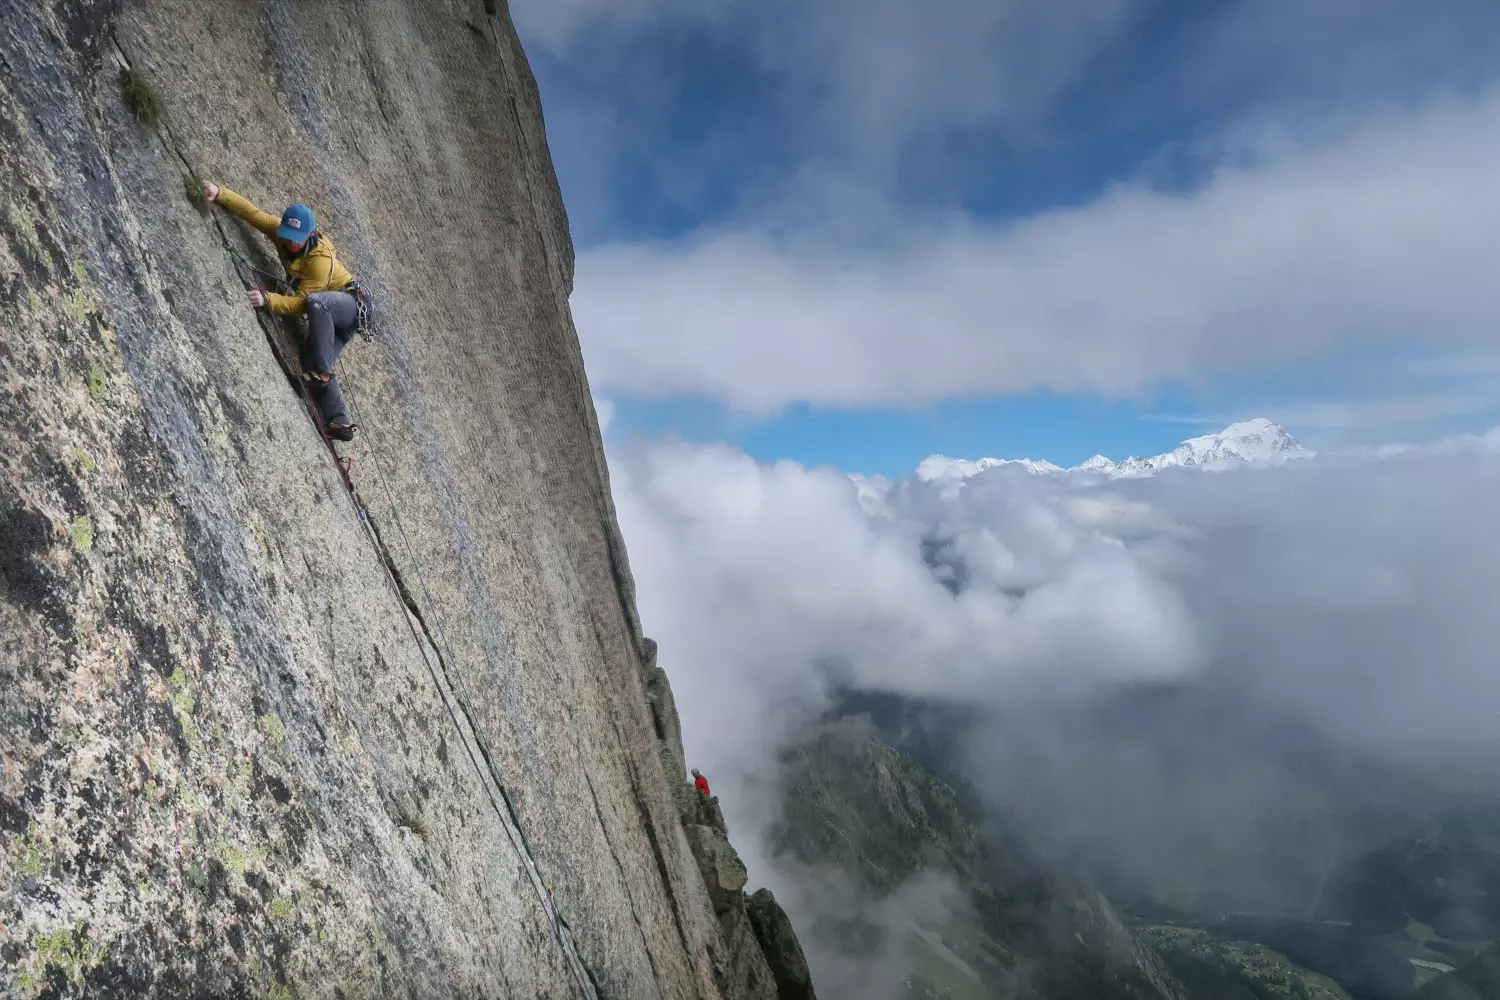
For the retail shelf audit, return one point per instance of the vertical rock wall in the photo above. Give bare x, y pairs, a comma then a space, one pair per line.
260, 736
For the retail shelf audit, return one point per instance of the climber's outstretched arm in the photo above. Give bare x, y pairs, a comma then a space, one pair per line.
241, 206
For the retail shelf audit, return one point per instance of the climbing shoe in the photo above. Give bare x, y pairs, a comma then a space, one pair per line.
342, 432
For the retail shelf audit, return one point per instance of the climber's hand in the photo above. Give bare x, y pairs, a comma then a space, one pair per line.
258, 298
210, 191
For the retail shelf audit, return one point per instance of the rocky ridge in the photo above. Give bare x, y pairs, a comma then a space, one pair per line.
769, 959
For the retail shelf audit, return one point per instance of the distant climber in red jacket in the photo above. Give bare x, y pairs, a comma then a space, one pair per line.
700, 782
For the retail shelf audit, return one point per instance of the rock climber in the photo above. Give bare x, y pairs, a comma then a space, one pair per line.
700, 782
325, 291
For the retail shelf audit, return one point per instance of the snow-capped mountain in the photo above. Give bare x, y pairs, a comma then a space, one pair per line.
1250, 442
935, 467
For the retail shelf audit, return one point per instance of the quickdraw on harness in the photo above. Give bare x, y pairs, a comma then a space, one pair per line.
363, 303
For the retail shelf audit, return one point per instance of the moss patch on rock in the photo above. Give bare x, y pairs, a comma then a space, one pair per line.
274, 727
413, 823
81, 533
192, 189
182, 694
32, 861
139, 97
97, 382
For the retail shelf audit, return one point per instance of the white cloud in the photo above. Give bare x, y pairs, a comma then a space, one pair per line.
884, 74
1379, 235
815, 278
827, 902
760, 579
841, 90
1357, 207
1389, 412
859, 80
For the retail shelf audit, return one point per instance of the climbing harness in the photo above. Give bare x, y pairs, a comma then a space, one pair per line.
363, 303
361, 295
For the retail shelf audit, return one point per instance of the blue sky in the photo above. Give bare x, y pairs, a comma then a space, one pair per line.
857, 233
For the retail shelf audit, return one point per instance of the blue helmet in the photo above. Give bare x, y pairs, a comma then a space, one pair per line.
297, 223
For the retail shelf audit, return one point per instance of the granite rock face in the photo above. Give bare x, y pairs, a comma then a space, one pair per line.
779, 942
669, 741
262, 735
748, 974
723, 872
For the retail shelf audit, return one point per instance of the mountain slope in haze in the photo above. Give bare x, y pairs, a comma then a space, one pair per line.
1214, 967
1015, 927
1478, 980
1366, 882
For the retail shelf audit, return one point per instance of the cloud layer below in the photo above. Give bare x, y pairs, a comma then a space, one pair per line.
1350, 593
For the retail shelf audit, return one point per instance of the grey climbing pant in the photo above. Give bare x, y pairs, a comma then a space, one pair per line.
332, 319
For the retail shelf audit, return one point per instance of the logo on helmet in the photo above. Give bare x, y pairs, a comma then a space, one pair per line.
294, 223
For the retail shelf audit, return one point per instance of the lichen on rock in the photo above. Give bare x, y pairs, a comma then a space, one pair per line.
61, 958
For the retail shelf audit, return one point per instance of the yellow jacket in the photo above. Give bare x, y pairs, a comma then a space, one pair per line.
315, 269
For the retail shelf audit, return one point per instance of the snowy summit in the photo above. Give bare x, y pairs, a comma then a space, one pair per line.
1249, 442
941, 467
